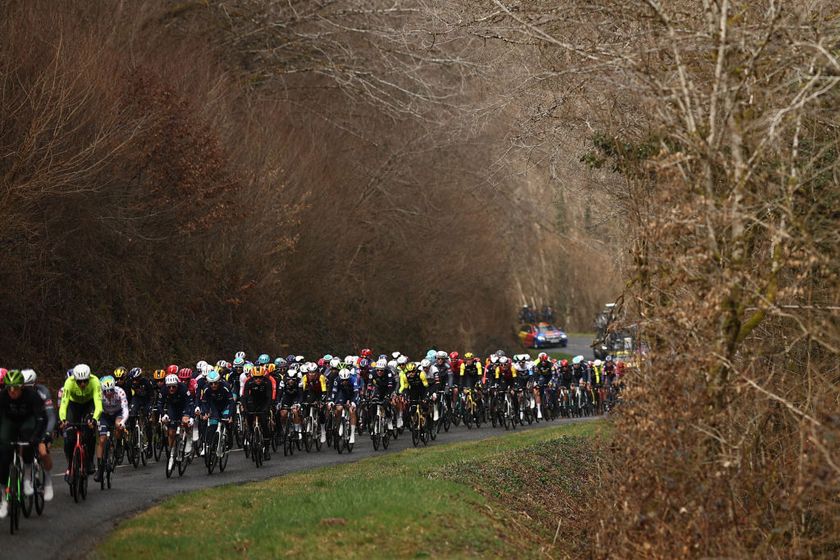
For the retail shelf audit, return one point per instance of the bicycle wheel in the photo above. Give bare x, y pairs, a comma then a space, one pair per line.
210, 458
223, 458
40, 478
157, 442
347, 445
75, 475
14, 501
106, 450
182, 454
142, 444
27, 502
257, 448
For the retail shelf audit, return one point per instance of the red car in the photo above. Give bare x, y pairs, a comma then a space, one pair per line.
542, 335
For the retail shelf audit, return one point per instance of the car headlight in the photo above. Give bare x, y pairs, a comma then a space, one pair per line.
540, 337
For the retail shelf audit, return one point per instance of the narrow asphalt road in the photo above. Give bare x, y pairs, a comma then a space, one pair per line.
70, 530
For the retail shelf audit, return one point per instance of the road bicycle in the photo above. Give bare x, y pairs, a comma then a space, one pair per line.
218, 448
77, 478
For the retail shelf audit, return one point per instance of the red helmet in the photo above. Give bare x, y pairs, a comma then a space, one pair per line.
564, 363
454, 356
365, 353
185, 374
321, 363
543, 357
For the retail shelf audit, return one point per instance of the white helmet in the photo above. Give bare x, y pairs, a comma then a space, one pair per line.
335, 363
171, 379
299, 359
381, 364
344, 374
29, 376
81, 372
503, 360
293, 370
348, 359
201, 366
597, 363
292, 374
402, 360
441, 355
424, 363
493, 358
108, 383
395, 355
240, 354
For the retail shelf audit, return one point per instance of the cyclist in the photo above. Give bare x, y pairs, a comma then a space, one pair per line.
30, 378
345, 392
544, 370
121, 380
507, 375
235, 374
114, 416
566, 375
81, 403
579, 369
314, 393
257, 398
22, 418
332, 373
177, 404
415, 384
216, 400
143, 393
158, 391
455, 363
290, 398
440, 370
383, 385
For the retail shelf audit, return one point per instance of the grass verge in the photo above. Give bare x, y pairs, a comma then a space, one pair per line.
497, 498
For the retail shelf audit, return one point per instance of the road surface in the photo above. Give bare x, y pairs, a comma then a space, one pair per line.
70, 530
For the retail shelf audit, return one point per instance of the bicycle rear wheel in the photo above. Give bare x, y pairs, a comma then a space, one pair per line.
14, 501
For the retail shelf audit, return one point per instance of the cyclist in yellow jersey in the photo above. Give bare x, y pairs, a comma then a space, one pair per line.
81, 403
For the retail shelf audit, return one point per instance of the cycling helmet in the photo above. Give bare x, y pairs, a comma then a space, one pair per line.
214, 377
4, 371
171, 380
258, 371
201, 365
381, 364
81, 372
69, 373
402, 360
503, 360
135, 373
107, 383
424, 363
335, 363
500, 353
454, 356
430, 355
577, 359
348, 360
271, 368
364, 363
543, 357
494, 358
597, 363
185, 374
239, 362
248, 367
263, 359
441, 355
279, 362
29, 376
290, 358
321, 362
608, 359
344, 374
240, 355
14, 378
291, 375
159, 375
396, 355
172, 370
410, 366
469, 356
304, 368
119, 373
366, 353
564, 363
299, 359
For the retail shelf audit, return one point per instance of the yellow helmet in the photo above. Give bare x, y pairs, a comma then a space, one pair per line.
258, 371
159, 375
410, 366
271, 368
469, 356
119, 373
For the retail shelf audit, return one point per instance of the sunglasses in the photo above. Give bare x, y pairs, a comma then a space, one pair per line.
82, 382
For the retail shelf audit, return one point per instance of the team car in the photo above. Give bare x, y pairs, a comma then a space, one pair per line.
542, 335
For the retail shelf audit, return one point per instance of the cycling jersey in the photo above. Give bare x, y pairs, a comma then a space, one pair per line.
179, 403
217, 402
115, 403
314, 390
258, 394
382, 384
49, 409
415, 385
345, 390
75, 394
291, 393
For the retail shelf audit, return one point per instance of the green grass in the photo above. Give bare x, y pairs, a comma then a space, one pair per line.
413, 504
